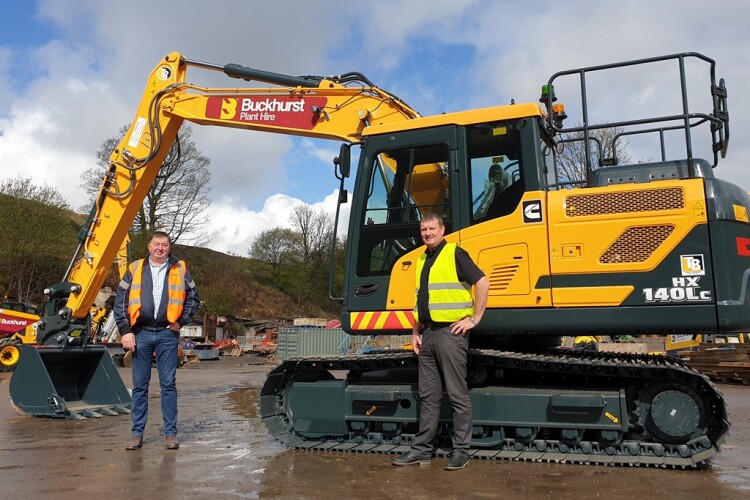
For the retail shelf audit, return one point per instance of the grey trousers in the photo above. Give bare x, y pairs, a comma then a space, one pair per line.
442, 362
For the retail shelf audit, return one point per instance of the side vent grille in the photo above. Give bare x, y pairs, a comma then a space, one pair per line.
501, 277
636, 244
653, 200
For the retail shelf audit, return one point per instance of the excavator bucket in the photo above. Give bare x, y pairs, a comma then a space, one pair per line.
70, 382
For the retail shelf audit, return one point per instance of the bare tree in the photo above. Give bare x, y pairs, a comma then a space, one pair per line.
571, 153
24, 187
315, 229
37, 239
178, 199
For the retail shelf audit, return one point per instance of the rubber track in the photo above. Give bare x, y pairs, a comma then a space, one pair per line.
628, 369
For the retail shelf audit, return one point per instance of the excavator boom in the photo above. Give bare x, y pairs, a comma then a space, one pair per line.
318, 108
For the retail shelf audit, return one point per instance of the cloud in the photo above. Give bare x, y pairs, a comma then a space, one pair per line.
234, 228
85, 81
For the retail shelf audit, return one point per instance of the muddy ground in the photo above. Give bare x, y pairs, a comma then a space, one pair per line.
226, 453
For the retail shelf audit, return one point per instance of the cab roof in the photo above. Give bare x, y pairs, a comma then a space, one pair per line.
481, 115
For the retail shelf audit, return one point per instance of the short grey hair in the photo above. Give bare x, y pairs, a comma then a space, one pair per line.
432, 216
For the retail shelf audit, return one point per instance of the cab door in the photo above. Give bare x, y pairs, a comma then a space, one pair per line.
507, 223
400, 177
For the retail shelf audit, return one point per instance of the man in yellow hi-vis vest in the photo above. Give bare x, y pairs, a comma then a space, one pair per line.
156, 297
445, 312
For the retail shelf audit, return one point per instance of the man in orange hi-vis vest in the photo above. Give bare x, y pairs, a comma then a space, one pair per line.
156, 297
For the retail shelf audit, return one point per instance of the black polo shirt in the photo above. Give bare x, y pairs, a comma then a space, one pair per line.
465, 268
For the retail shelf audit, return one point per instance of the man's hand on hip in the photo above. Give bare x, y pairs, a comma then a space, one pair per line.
462, 327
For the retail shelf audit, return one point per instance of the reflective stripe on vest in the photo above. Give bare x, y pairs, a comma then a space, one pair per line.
176, 292
449, 300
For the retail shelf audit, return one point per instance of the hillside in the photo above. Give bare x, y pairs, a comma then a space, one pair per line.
38, 243
250, 298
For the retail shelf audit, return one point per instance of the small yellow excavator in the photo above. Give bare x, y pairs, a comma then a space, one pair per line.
17, 327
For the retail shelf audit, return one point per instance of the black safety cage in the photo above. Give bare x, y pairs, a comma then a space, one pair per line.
718, 118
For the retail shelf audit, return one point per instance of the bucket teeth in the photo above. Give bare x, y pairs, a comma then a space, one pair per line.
83, 414
106, 411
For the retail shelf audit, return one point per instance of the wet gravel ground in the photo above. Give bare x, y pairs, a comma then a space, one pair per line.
226, 452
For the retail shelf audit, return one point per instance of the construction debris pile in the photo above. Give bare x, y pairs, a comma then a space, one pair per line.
228, 347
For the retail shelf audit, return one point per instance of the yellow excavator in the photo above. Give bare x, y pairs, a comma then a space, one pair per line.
17, 327
661, 247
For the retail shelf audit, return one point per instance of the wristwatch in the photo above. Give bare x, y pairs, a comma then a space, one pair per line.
473, 321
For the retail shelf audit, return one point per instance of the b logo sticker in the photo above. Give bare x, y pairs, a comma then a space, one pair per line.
692, 265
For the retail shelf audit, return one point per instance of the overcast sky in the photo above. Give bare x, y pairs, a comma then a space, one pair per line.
72, 73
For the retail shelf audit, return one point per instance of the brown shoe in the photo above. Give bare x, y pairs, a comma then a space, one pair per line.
134, 443
171, 442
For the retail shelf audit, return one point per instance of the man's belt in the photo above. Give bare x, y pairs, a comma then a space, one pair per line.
152, 328
434, 325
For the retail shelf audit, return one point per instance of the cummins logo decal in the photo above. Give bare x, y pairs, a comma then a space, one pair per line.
532, 212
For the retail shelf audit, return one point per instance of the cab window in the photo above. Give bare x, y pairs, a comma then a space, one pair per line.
495, 163
402, 187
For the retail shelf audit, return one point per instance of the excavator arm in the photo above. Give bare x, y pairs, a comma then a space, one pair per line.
329, 108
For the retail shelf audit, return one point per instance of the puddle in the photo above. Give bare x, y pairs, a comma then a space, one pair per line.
244, 402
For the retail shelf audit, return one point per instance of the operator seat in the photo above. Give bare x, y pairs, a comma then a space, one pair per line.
497, 181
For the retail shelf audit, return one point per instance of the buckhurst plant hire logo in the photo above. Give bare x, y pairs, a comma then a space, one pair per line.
280, 111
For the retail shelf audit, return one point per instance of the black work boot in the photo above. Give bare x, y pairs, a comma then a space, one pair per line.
456, 462
411, 459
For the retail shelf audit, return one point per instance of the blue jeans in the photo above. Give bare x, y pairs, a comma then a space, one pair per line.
165, 344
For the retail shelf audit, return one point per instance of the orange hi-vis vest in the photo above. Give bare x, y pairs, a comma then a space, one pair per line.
175, 291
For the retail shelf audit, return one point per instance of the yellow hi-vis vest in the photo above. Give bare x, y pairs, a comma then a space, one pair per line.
450, 300
175, 292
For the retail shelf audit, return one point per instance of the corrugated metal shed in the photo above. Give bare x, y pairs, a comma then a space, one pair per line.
294, 342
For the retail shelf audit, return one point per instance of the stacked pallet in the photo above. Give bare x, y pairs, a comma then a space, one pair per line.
727, 363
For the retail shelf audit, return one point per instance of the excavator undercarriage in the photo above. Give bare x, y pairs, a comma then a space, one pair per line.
559, 406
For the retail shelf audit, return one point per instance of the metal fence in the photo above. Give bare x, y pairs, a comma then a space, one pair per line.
300, 341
